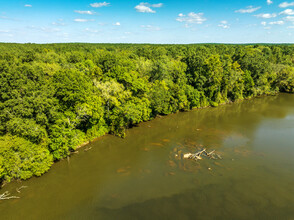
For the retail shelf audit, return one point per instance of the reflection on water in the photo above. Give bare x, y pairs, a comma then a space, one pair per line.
144, 177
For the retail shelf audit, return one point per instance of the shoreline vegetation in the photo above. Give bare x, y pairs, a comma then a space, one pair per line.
55, 98
160, 116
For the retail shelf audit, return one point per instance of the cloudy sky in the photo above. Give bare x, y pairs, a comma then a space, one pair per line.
130, 21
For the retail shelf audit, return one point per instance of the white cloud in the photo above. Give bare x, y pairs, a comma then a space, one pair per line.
224, 24
58, 23
287, 12
276, 22
91, 30
289, 18
248, 9
145, 7
82, 20
263, 23
150, 28
100, 4
286, 4
28, 6
267, 15
191, 18
251, 25
290, 27
159, 5
269, 2
84, 12
116, 24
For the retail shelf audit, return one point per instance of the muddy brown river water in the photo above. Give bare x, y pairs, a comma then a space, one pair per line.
144, 177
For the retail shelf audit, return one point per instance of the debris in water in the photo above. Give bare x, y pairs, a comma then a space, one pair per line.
6, 196
88, 148
197, 155
18, 189
187, 156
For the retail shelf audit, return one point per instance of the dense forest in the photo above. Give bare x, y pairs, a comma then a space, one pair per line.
54, 97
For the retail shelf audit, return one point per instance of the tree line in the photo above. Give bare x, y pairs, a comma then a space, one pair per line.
54, 97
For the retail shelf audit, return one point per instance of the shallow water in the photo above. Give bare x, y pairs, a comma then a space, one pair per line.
144, 177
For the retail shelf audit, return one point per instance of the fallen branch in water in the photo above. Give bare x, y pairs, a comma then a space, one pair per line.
6, 195
18, 189
197, 155
89, 148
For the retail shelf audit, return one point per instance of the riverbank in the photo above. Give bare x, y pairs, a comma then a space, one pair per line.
55, 98
193, 109
140, 176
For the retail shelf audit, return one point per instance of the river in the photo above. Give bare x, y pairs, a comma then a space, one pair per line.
144, 177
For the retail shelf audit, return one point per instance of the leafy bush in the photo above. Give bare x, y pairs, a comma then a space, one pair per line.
21, 159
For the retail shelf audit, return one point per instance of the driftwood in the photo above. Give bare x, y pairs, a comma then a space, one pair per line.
18, 189
6, 196
88, 148
203, 152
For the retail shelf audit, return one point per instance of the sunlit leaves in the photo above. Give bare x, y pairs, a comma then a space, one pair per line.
55, 97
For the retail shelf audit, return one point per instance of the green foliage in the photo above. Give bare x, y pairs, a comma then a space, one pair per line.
55, 97
22, 159
28, 129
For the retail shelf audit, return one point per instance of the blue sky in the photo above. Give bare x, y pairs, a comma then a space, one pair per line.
114, 21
